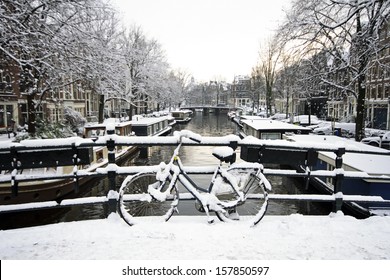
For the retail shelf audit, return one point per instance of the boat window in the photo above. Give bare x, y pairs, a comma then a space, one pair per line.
99, 156
271, 135
95, 132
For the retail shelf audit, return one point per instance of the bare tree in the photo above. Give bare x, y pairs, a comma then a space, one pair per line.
269, 59
145, 65
287, 80
348, 31
36, 36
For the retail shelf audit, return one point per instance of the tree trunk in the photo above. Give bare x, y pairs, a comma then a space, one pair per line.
360, 110
101, 108
31, 115
287, 97
361, 47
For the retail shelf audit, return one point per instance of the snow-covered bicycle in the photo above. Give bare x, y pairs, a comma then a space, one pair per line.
236, 192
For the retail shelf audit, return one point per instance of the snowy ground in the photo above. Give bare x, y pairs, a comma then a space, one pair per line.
294, 237
290, 247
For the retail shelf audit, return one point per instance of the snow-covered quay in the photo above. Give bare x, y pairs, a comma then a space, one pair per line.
320, 246
293, 237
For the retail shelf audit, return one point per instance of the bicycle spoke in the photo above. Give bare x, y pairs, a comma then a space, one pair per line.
255, 202
135, 202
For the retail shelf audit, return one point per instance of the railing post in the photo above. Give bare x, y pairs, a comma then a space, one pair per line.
338, 180
75, 164
112, 201
14, 183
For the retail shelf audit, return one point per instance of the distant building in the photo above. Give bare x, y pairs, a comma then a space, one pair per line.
14, 105
241, 94
9, 95
342, 105
378, 84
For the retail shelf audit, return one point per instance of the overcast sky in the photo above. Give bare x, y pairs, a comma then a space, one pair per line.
211, 39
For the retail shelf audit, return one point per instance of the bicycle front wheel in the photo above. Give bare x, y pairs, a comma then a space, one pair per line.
254, 205
136, 203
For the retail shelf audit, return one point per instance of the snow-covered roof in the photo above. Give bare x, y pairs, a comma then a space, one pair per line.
148, 121
107, 122
182, 111
267, 124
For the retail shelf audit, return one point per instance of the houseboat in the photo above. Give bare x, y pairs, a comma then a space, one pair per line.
268, 129
371, 164
151, 126
48, 165
100, 154
182, 116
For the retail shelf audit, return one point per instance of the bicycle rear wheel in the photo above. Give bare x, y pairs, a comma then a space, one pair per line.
255, 204
136, 203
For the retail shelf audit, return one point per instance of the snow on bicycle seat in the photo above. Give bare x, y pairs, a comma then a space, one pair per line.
225, 154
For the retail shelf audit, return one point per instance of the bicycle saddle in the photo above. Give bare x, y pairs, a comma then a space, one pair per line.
225, 154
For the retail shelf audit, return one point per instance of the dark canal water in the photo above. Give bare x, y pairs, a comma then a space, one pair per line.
206, 125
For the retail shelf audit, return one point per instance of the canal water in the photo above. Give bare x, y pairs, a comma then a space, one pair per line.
206, 125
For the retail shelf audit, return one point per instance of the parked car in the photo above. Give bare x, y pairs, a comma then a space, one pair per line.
377, 141
341, 129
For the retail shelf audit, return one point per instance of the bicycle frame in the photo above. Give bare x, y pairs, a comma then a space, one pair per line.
226, 194
207, 199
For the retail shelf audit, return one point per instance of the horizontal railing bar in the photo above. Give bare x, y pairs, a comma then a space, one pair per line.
327, 198
187, 196
131, 170
12, 208
66, 143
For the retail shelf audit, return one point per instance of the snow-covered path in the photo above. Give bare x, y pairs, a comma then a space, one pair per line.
184, 238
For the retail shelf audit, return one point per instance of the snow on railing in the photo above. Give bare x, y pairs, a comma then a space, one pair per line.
111, 170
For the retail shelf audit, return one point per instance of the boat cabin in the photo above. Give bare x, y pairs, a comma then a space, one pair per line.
182, 116
153, 126
269, 129
96, 130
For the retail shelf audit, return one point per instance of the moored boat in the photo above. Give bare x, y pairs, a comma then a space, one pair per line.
182, 116
361, 162
268, 129
54, 164
151, 126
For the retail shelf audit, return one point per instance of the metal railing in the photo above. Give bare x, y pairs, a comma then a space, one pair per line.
76, 149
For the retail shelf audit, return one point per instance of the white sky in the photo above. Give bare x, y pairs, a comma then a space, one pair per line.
211, 39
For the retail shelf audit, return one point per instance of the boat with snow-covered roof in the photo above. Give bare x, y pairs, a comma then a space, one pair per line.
377, 165
54, 189
182, 116
151, 126
262, 128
